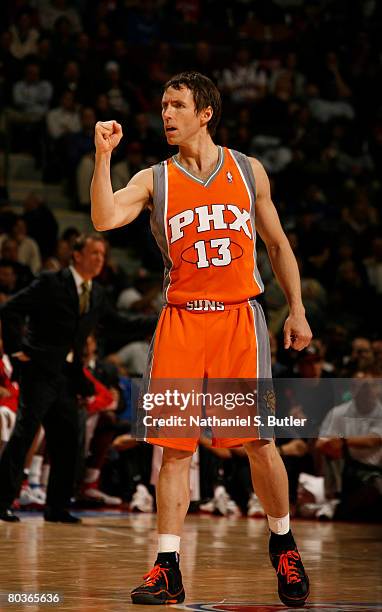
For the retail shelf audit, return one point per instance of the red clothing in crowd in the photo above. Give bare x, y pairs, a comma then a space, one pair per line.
11, 401
102, 399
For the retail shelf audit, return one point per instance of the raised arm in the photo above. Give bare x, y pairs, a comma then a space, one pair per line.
108, 209
297, 333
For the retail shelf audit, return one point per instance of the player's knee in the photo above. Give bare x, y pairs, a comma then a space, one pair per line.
261, 451
176, 459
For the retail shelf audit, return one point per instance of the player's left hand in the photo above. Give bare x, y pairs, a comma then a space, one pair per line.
297, 333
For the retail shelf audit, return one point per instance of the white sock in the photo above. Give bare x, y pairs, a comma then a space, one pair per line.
35, 470
91, 475
168, 543
280, 526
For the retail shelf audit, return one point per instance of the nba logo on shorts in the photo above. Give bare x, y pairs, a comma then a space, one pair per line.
229, 177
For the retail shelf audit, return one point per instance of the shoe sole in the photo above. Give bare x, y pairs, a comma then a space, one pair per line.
151, 600
294, 603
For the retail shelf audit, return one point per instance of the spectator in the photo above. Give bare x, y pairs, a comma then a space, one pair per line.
10, 254
32, 95
377, 353
9, 68
41, 224
123, 170
324, 110
115, 90
361, 357
313, 397
161, 65
9, 398
52, 10
72, 79
99, 429
289, 73
143, 27
60, 122
132, 358
103, 108
24, 37
61, 258
352, 432
8, 280
28, 252
65, 118
47, 60
202, 59
373, 265
112, 276
244, 81
145, 296
152, 146
62, 41
80, 156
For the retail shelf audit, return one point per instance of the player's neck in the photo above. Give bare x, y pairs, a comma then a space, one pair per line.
199, 156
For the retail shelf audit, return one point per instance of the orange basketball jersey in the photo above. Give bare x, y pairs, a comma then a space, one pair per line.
206, 233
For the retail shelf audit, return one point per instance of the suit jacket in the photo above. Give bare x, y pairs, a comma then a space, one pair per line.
54, 326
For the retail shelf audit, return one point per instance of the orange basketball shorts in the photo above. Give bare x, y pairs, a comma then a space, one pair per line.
231, 344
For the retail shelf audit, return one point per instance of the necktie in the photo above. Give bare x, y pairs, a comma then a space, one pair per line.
84, 297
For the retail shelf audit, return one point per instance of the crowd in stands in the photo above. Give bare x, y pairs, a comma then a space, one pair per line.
298, 82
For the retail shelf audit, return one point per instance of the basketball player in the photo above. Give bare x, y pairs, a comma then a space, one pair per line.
203, 204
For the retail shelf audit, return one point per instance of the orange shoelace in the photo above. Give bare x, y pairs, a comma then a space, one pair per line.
152, 576
287, 567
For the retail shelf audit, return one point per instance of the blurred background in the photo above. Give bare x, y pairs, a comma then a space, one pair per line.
300, 91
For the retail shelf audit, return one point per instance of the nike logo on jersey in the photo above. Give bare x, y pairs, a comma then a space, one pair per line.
215, 216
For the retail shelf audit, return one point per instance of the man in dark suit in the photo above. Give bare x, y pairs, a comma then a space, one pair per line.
62, 309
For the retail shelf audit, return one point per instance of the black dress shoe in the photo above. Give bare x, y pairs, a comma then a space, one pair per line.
60, 516
9, 516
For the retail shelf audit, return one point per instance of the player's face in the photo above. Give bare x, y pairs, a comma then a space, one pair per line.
180, 120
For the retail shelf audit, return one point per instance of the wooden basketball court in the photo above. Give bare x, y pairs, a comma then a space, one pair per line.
93, 566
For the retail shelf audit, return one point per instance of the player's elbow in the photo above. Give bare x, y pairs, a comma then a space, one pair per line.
278, 245
100, 226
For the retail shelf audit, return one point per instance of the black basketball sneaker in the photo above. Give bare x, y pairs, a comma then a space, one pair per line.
162, 585
293, 582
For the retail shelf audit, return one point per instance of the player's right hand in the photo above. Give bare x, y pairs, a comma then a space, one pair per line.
107, 136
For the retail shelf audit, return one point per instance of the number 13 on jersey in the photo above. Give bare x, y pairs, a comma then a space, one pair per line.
222, 246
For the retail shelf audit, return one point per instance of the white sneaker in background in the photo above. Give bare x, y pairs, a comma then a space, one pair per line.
142, 500
91, 493
39, 493
224, 505
313, 485
28, 497
311, 495
254, 507
327, 510
208, 507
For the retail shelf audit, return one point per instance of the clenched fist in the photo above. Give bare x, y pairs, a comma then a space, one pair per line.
107, 136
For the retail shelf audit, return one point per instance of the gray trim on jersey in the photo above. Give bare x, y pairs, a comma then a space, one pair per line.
249, 178
264, 369
246, 169
141, 429
157, 219
197, 179
264, 386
